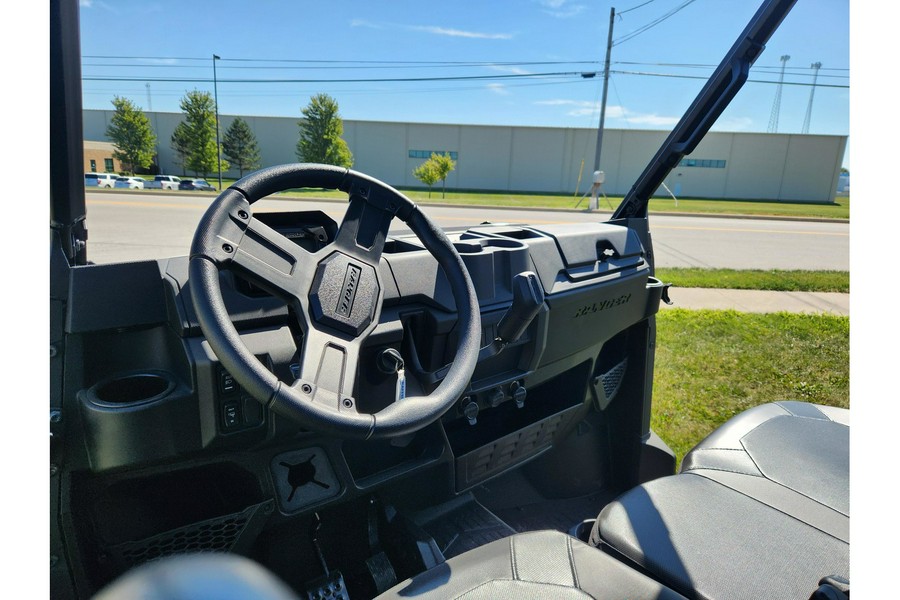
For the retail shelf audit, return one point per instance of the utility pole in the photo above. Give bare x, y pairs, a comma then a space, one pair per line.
776, 105
155, 127
815, 67
596, 186
612, 16
216, 97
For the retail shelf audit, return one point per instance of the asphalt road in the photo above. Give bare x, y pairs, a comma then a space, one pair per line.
132, 226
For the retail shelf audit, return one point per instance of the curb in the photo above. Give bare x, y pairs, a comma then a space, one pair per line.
520, 208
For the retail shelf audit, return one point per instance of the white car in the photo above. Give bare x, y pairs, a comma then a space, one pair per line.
163, 182
130, 183
100, 180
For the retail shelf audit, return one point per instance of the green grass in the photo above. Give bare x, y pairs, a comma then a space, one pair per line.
839, 210
782, 281
711, 365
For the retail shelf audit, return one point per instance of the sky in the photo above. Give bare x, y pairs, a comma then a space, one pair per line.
511, 42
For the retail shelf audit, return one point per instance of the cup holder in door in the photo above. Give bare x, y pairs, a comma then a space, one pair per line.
129, 389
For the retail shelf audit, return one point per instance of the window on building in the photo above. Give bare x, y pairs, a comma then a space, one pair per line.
108, 165
428, 153
93, 165
702, 162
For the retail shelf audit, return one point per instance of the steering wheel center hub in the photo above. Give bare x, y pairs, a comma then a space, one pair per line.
344, 294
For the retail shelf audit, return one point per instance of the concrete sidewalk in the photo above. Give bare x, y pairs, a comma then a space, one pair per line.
758, 301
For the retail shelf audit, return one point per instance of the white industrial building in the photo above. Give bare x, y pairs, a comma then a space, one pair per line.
735, 165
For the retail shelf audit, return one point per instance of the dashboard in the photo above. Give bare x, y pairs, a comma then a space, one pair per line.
155, 408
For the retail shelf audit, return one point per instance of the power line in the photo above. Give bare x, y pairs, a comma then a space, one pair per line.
628, 10
347, 62
652, 24
675, 76
359, 80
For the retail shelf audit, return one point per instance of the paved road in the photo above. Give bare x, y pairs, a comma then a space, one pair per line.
130, 226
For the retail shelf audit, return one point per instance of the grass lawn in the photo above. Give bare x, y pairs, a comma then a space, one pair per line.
711, 365
782, 281
839, 210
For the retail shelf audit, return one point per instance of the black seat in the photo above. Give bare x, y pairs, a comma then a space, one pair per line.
539, 565
760, 509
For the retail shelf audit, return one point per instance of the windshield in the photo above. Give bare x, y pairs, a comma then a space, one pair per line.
511, 95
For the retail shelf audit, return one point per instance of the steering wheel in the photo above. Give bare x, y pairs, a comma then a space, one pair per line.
336, 294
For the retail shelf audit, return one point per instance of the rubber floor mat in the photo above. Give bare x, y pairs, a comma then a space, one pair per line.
462, 524
560, 515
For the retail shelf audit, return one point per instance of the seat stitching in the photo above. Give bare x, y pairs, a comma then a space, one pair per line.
776, 509
512, 555
572, 561
691, 471
547, 583
823, 416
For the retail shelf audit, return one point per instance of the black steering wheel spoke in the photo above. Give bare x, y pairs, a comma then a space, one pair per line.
328, 371
363, 231
272, 261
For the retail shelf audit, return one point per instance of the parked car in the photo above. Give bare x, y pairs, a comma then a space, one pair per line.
425, 415
196, 185
163, 182
130, 183
100, 180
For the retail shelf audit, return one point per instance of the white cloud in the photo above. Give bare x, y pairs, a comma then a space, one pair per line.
561, 9
85, 3
733, 124
364, 23
498, 88
653, 119
434, 29
160, 61
584, 108
509, 69
461, 33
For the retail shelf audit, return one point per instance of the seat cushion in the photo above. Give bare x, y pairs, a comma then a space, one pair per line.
536, 565
760, 508
757, 441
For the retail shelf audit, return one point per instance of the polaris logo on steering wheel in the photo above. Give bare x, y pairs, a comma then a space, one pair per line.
348, 292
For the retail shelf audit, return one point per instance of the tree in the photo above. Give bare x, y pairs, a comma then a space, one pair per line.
200, 127
443, 164
181, 144
131, 134
428, 174
320, 134
239, 145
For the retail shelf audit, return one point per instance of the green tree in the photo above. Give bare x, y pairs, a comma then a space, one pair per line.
181, 144
131, 134
428, 174
200, 123
320, 134
239, 145
435, 169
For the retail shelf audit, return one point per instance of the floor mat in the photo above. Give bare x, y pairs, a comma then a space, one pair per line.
462, 524
520, 505
561, 515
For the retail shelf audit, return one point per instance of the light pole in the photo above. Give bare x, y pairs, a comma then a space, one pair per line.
216, 97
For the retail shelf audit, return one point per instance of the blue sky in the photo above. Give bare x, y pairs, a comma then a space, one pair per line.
568, 36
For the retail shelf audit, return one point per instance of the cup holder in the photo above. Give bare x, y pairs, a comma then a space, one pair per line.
132, 388
474, 246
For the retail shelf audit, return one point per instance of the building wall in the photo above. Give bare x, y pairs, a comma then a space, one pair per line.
780, 167
102, 155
